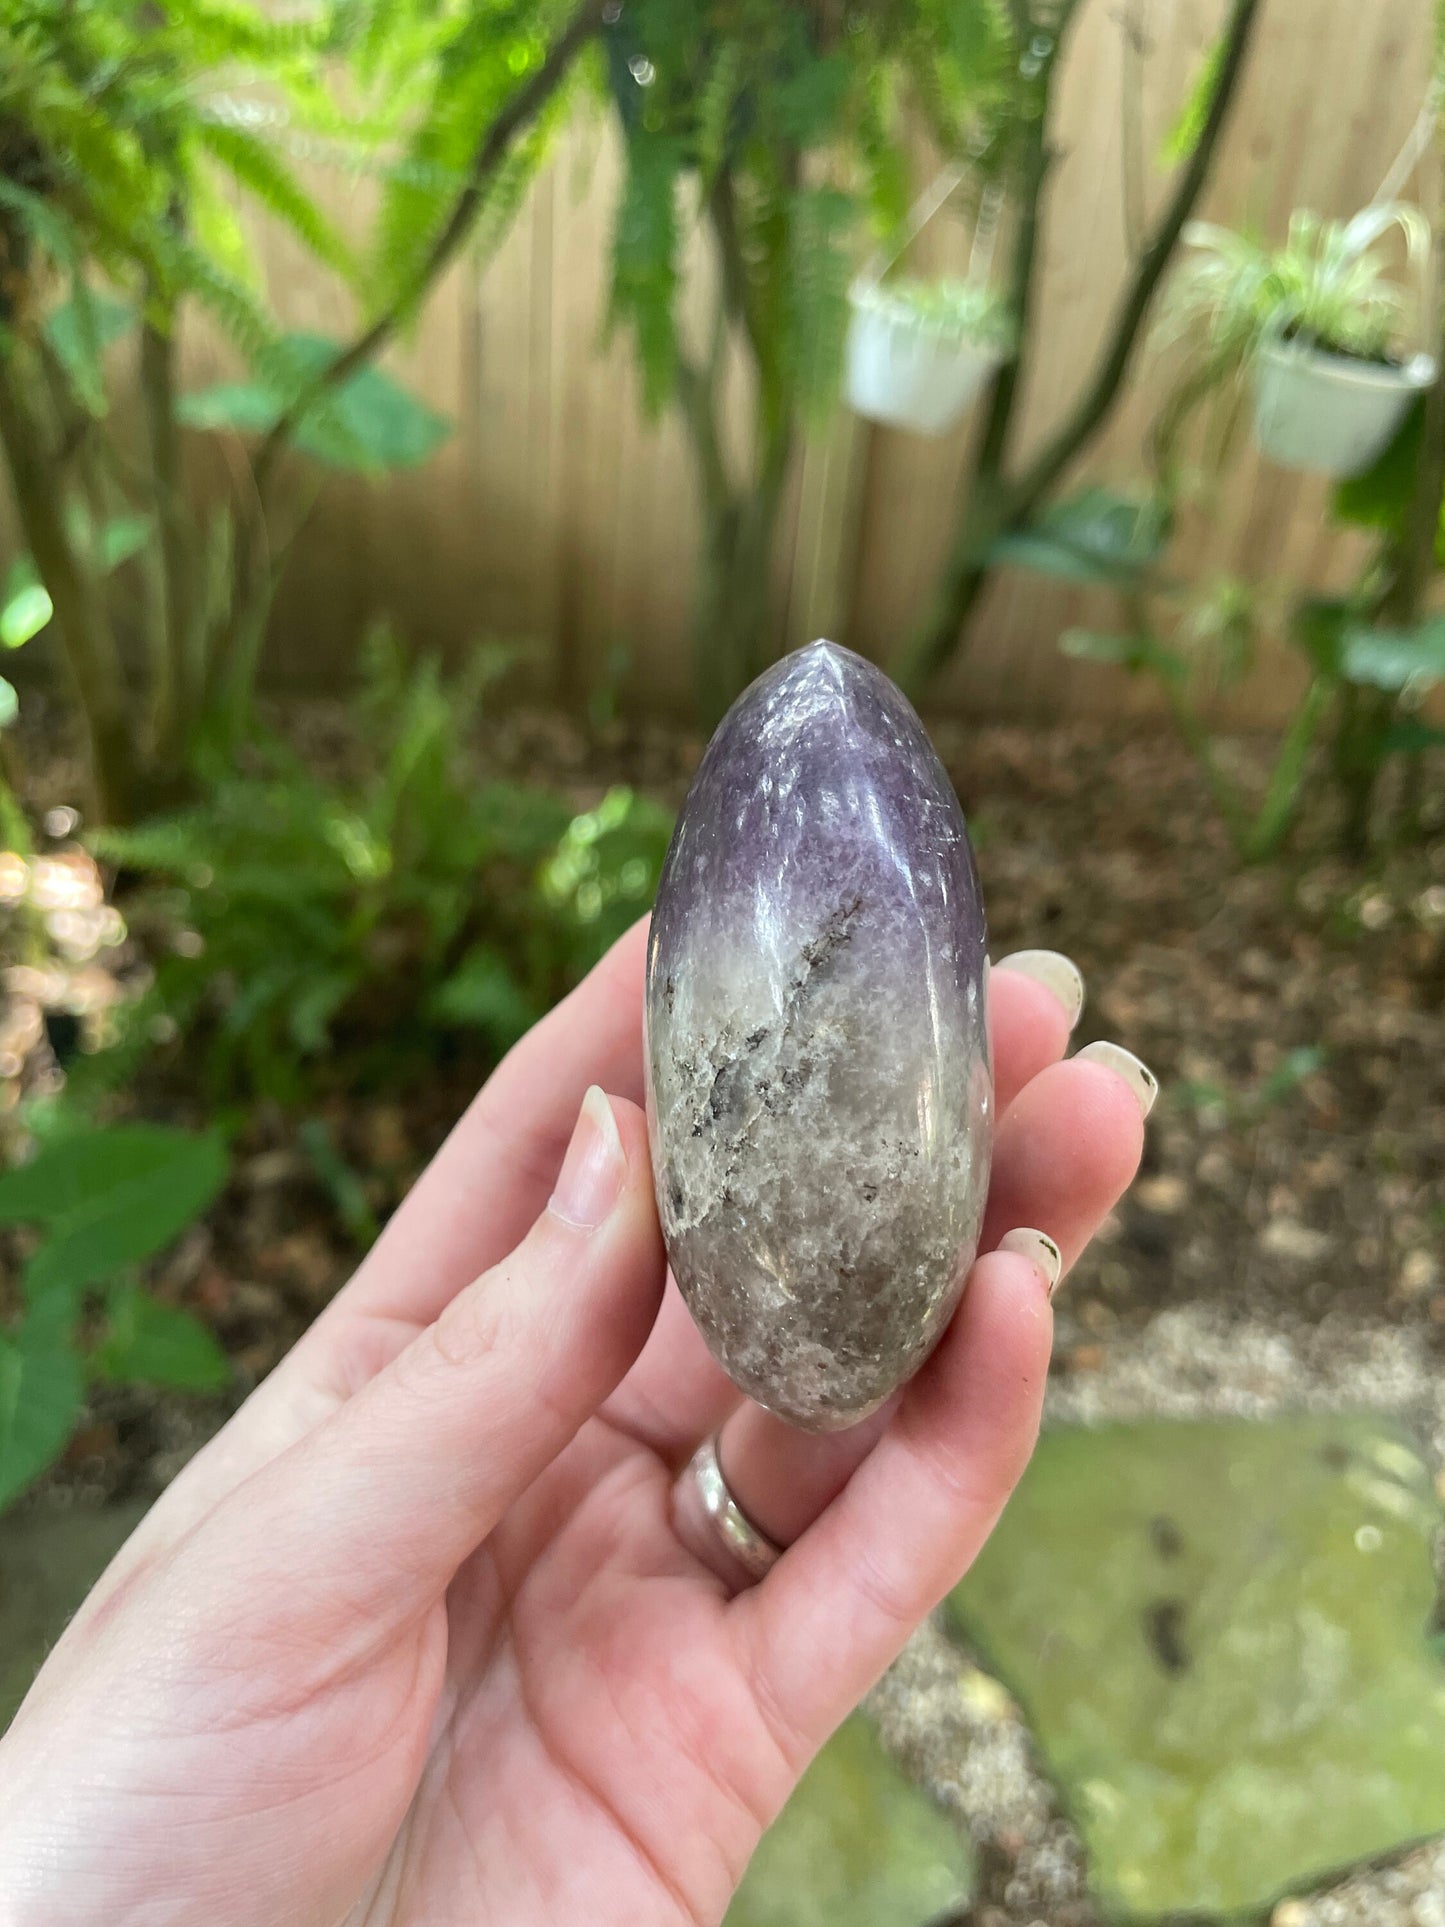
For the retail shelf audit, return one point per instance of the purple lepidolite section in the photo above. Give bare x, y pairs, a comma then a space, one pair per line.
818, 1078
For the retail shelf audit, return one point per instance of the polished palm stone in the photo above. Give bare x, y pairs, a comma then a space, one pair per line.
818, 1078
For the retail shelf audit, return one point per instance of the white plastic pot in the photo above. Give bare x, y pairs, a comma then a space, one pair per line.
905, 374
1330, 413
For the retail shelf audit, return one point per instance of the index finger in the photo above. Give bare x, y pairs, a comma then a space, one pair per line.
484, 1187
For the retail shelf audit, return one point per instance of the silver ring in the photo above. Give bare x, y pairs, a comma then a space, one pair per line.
752, 1550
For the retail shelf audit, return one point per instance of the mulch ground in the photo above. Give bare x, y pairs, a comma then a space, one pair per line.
1293, 1015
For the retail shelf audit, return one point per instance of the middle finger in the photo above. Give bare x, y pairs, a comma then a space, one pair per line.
1067, 1149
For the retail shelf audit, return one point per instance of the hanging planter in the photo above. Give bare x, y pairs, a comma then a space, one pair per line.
919, 351
1318, 326
1329, 413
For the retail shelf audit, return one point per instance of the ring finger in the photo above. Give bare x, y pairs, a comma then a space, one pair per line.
1067, 1149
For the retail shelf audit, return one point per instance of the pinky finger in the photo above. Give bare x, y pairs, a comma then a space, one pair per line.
840, 1604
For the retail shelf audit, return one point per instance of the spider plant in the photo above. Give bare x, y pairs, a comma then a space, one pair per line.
1328, 287
951, 309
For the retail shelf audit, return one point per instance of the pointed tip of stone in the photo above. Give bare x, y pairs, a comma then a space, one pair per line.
828, 651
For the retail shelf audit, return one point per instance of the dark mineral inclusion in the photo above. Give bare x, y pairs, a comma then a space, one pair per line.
818, 1077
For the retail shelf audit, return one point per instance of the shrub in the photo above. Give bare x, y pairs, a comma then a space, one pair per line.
311, 930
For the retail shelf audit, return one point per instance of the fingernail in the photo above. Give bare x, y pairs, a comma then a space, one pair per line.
1058, 974
591, 1177
1123, 1063
1040, 1250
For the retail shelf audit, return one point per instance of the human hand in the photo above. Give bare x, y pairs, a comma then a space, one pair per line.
429, 1632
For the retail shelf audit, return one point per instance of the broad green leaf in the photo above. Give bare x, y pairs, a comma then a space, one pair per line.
1380, 498
370, 424
25, 605
41, 1388
149, 1343
1395, 658
1095, 537
1134, 653
120, 538
80, 330
1409, 737
111, 542
242, 407
1319, 625
110, 1198
9, 703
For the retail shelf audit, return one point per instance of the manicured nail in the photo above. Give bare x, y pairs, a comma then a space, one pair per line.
1058, 974
1123, 1063
593, 1169
1040, 1250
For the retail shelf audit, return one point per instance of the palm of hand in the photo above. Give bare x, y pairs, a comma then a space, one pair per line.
595, 1735
415, 1640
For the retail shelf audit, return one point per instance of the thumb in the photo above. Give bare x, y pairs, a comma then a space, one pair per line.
381, 1504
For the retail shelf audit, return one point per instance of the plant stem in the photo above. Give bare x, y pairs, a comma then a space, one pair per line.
1227, 799
169, 645
82, 620
254, 565
1281, 798
997, 503
518, 113
1103, 391
734, 605
1406, 570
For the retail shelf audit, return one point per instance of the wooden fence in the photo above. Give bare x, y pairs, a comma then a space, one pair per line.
558, 513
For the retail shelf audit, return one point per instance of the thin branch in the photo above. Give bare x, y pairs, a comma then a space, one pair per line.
999, 503
1038, 159
737, 291
1023, 274
1414, 552
519, 111
695, 392
1096, 403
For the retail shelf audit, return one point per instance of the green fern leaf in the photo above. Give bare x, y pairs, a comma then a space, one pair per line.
259, 169
644, 261
819, 269
716, 105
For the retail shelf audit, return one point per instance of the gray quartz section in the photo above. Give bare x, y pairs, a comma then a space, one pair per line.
819, 1090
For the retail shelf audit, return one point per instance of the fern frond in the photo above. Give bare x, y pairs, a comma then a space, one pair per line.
716, 105
645, 261
820, 266
46, 226
226, 31
188, 269
259, 169
475, 78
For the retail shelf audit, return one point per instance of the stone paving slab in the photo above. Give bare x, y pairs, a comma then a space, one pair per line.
1218, 1633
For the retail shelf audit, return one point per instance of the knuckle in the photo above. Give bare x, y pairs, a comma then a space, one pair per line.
480, 1322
